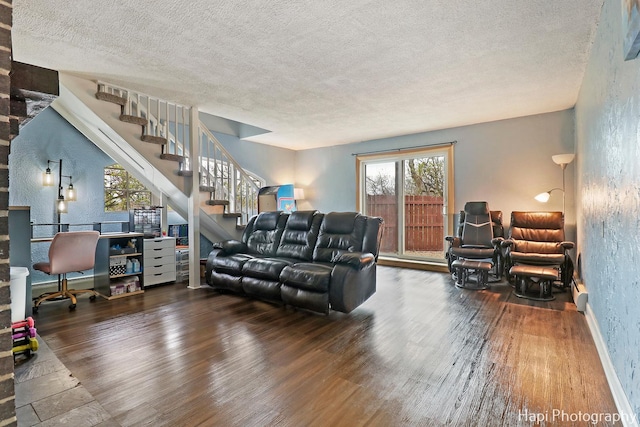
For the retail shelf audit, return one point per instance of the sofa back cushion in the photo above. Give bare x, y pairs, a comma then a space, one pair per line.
300, 235
263, 232
340, 232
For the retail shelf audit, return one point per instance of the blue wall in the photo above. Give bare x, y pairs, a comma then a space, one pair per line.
608, 159
49, 137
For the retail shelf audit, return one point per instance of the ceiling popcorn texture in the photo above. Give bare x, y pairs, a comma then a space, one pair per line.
324, 73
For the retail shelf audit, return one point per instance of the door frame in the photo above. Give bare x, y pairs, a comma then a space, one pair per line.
403, 154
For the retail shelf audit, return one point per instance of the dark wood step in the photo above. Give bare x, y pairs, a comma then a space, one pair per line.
172, 157
135, 120
208, 189
109, 97
185, 173
217, 202
231, 215
161, 140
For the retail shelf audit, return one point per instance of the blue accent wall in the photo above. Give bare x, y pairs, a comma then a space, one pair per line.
608, 178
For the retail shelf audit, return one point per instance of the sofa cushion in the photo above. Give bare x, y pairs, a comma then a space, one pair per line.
260, 288
231, 264
339, 232
311, 277
265, 268
265, 235
300, 235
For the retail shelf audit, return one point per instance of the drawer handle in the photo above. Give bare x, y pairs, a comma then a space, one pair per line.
158, 274
157, 249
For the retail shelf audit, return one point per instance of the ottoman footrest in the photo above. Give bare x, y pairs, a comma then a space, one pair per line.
528, 275
465, 268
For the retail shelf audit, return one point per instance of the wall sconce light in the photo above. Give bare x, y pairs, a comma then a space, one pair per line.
561, 160
47, 177
70, 193
61, 206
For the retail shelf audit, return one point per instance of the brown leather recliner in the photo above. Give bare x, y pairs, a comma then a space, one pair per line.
537, 240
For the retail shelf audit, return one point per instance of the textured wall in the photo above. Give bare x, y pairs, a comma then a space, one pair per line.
608, 165
49, 137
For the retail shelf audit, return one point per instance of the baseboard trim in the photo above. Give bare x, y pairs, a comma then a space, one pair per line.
629, 419
414, 264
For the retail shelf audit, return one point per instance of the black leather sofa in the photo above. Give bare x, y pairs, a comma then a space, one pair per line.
305, 259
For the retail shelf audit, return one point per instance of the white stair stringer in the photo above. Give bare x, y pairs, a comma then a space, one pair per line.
99, 122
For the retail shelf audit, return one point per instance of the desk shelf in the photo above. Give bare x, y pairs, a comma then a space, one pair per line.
110, 280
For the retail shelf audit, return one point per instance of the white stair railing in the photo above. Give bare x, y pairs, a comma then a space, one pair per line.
225, 178
164, 119
219, 172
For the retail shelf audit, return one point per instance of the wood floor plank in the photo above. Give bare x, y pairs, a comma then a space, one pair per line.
419, 352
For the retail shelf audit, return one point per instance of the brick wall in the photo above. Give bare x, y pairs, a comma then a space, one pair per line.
7, 392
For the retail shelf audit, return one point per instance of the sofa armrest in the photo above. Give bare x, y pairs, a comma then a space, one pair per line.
230, 246
507, 243
355, 259
497, 241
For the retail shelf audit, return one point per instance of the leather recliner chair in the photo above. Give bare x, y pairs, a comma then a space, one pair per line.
476, 250
536, 251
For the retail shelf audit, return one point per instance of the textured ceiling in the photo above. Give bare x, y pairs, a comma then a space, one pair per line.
318, 73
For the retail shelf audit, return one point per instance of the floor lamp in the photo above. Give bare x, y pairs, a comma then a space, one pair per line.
561, 160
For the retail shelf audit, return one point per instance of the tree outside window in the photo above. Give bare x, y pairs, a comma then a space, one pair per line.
122, 191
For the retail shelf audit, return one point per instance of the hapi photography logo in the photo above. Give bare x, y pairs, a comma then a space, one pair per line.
560, 415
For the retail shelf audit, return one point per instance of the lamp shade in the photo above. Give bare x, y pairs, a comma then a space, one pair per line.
61, 206
563, 159
543, 197
298, 194
70, 193
47, 178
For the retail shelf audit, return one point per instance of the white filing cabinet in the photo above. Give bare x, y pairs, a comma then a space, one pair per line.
159, 260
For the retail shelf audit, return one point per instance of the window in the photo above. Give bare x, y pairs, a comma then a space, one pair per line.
411, 190
122, 191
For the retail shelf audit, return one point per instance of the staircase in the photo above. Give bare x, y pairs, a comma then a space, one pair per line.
161, 143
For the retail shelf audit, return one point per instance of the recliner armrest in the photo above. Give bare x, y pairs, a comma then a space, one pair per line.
567, 245
497, 241
355, 259
453, 241
231, 246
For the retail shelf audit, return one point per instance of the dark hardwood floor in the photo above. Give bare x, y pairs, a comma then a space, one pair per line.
420, 352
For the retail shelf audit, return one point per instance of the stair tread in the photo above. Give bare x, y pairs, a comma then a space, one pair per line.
232, 215
109, 97
154, 139
185, 173
208, 189
133, 119
172, 157
217, 202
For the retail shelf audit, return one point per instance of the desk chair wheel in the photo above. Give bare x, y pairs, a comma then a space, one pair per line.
72, 307
35, 309
92, 298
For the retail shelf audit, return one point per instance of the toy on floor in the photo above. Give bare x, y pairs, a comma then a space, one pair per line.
22, 323
28, 333
31, 345
24, 338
